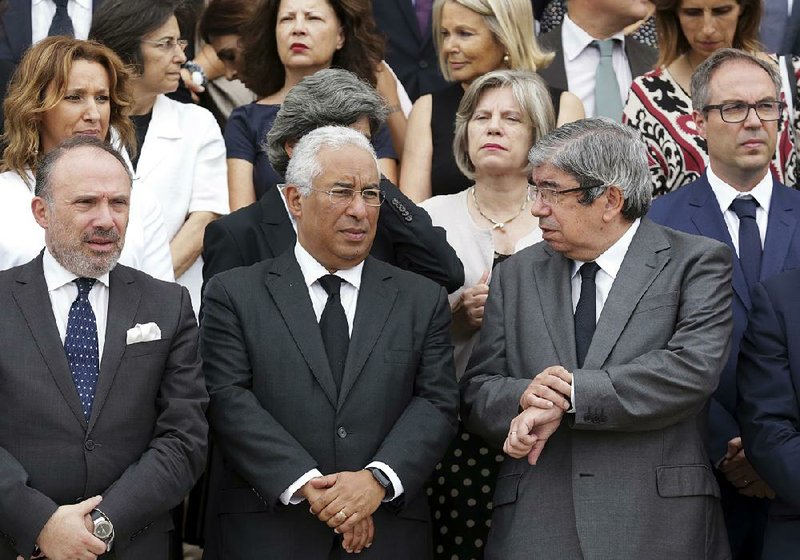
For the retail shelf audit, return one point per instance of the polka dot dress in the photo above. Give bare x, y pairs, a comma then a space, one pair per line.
80, 344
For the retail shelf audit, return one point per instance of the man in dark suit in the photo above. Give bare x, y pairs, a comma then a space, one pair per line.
769, 405
102, 429
331, 378
741, 143
625, 326
578, 60
405, 236
410, 50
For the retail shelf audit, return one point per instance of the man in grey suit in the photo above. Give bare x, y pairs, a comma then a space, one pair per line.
102, 429
331, 378
624, 326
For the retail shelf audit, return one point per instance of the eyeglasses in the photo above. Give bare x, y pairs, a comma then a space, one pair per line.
552, 196
345, 195
737, 112
167, 45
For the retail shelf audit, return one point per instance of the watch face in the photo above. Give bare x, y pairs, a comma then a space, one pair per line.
103, 529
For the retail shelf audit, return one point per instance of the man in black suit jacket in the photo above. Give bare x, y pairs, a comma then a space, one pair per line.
355, 436
87, 466
405, 236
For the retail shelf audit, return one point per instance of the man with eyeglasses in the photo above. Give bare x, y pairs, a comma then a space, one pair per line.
331, 378
737, 108
599, 350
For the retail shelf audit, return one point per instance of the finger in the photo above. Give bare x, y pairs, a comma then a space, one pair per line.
370, 531
359, 533
322, 482
484, 277
547, 393
349, 522
347, 541
559, 372
536, 451
87, 505
532, 400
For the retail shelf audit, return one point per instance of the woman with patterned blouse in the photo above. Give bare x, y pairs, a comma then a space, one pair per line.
660, 105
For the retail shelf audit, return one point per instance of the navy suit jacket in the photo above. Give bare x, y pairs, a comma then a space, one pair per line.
769, 406
694, 209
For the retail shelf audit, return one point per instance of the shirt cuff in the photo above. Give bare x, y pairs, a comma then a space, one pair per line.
572, 397
290, 495
397, 486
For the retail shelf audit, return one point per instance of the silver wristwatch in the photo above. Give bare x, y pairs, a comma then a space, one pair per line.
103, 528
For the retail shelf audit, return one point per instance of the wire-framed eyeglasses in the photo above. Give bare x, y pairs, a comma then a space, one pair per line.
551, 196
345, 195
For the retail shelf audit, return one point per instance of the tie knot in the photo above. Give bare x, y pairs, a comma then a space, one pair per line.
605, 46
61, 4
589, 270
745, 207
331, 284
84, 286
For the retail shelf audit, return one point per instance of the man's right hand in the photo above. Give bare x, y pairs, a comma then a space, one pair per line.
66, 535
357, 538
530, 430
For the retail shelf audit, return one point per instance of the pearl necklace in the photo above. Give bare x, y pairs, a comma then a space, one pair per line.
496, 224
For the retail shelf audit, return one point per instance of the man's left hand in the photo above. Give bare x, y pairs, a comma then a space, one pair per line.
351, 496
552, 387
530, 430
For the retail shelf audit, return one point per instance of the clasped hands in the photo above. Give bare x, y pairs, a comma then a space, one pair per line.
543, 405
345, 501
69, 533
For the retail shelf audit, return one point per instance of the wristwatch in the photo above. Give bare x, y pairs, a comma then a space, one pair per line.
103, 528
384, 481
197, 72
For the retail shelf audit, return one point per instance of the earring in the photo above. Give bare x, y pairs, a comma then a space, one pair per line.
507, 60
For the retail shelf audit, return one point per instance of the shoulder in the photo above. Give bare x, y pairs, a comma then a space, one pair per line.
685, 246
242, 281
154, 287
443, 202
410, 284
678, 197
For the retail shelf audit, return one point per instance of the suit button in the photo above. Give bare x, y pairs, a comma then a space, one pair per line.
423, 64
341, 432
88, 445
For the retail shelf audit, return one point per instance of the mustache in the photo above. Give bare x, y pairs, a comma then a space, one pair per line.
101, 234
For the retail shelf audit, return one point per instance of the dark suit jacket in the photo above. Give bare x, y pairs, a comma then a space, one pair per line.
263, 230
791, 36
275, 412
144, 445
769, 406
411, 55
694, 209
641, 59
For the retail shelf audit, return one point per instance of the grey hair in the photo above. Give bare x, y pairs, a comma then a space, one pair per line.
703, 73
599, 151
304, 165
529, 91
44, 171
330, 97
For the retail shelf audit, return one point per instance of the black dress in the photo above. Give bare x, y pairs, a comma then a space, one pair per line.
446, 178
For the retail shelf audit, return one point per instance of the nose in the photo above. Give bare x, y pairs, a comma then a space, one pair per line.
231, 73
92, 113
449, 44
494, 123
299, 27
752, 120
179, 55
104, 216
539, 208
709, 23
357, 208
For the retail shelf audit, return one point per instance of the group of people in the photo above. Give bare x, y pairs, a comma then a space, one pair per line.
535, 305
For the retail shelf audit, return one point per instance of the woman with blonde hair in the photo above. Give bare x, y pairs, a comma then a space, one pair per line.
61, 88
473, 37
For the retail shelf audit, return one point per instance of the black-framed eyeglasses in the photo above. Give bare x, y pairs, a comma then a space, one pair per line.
737, 111
167, 45
345, 195
552, 196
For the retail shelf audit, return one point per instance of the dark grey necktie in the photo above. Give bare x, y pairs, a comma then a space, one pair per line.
334, 328
586, 311
607, 101
62, 24
80, 344
749, 238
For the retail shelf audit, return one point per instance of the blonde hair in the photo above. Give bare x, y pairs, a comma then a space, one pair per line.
30, 96
511, 23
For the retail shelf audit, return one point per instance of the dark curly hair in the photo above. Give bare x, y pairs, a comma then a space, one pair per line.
361, 53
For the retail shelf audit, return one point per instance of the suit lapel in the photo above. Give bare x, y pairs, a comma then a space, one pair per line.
780, 232
17, 25
31, 296
287, 287
644, 261
375, 300
275, 223
124, 296
639, 59
553, 282
555, 74
706, 216
407, 9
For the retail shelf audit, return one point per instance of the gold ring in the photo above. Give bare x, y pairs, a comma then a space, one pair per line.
342, 513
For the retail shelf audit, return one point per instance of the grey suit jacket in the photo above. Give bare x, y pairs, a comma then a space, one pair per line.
144, 445
275, 412
641, 58
627, 475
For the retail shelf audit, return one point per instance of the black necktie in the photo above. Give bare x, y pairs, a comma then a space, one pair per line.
586, 311
61, 24
749, 238
80, 344
334, 328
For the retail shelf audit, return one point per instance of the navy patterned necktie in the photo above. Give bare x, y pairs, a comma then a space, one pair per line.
62, 23
81, 346
334, 327
586, 311
749, 238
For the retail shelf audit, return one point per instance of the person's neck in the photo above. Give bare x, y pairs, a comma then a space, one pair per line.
743, 180
594, 24
142, 101
693, 60
501, 194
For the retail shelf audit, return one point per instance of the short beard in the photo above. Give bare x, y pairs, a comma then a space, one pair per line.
77, 262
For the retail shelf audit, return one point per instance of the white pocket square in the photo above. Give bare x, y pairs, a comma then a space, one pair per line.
143, 333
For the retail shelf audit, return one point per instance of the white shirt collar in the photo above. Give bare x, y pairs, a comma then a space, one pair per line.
56, 276
312, 270
725, 193
85, 4
611, 259
574, 39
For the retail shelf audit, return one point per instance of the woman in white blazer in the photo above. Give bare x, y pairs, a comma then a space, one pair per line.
181, 156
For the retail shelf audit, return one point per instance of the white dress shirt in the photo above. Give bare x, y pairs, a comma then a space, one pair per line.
63, 292
312, 271
725, 194
609, 262
42, 12
581, 60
